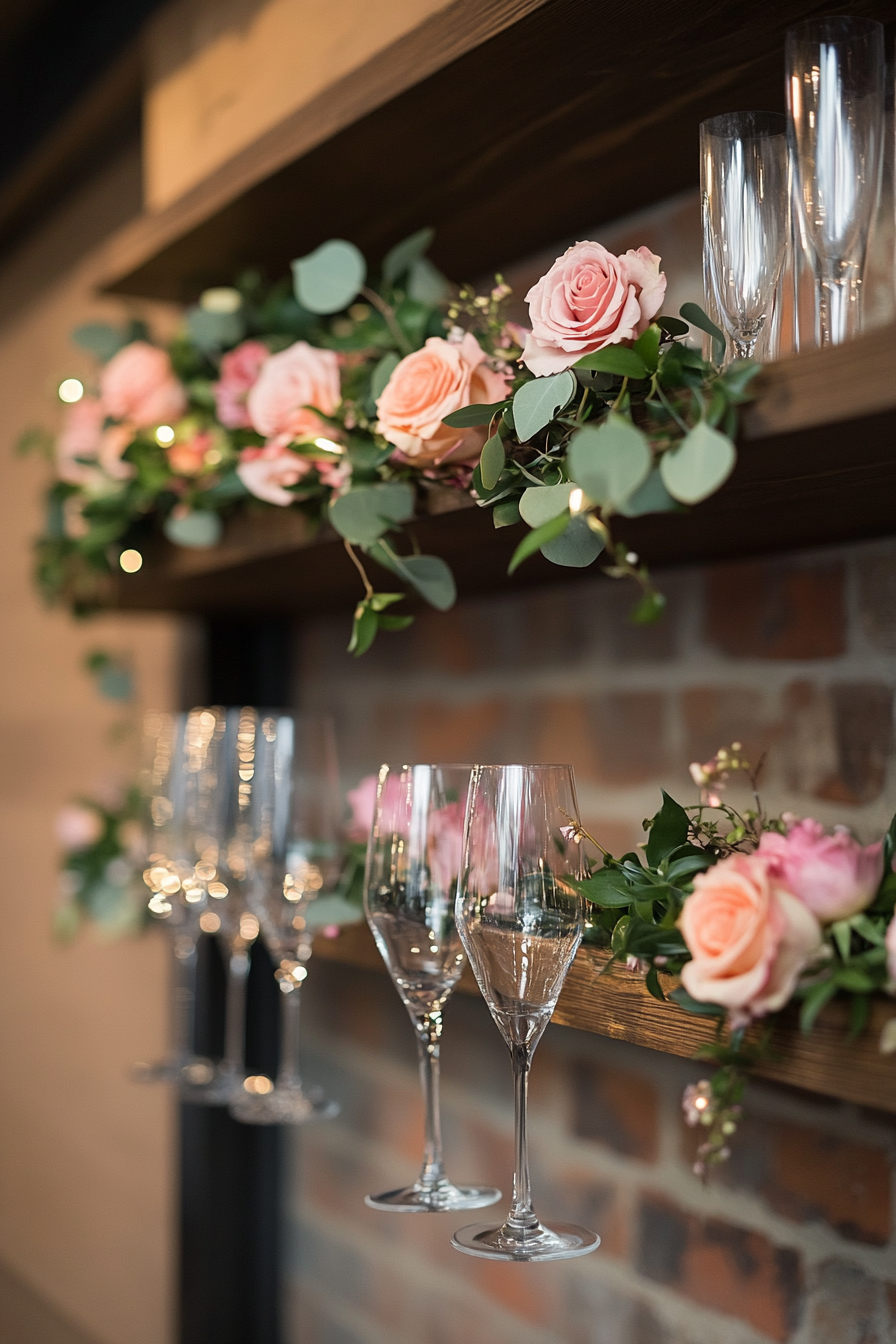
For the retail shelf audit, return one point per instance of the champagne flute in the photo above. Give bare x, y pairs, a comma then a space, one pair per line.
521, 922
835, 124
746, 211
295, 820
413, 861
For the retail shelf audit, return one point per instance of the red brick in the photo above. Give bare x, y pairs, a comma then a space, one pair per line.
576, 1197
533, 1299
721, 1266
847, 1306
628, 734
715, 717
465, 733
615, 1108
810, 1176
776, 609
863, 727
562, 733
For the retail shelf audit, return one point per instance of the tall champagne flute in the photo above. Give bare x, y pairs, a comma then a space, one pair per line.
835, 126
413, 861
297, 852
746, 221
521, 922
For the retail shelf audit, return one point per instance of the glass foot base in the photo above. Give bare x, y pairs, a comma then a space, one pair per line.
282, 1106
499, 1242
443, 1198
201, 1081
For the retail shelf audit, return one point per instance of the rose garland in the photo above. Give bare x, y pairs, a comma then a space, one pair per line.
751, 913
352, 402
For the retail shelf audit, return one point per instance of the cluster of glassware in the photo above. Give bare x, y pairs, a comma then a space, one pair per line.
803, 188
244, 826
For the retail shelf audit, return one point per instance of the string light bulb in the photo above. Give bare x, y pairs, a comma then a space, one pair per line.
71, 390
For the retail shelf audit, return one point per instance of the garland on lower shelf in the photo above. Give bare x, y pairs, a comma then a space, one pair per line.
751, 913
350, 399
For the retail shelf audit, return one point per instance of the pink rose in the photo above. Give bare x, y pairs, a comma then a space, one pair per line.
590, 299
289, 383
138, 384
833, 875
446, 844
428, 385
113, 442
82, 429
265, 472
239, 371
78, 827
362, 801
748, 936
891, 948
188, 458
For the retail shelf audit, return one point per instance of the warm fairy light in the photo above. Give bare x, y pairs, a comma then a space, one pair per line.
218, 890
130, 561
222, 299
329, 446
248, 926
258, 1085
164, 435
209, 922
576, 500
700, 1103
71, 389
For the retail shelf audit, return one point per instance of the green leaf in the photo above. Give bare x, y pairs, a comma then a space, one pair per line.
212, 332
505, 513
651, 496
537, 402
329, 278
611, 461
395, 622
577, 547
889, 848
432, 578
842, 935
739, 374
691, 1005
540, 503
363, 515
364, 629
859, 1009
491, 461
400, 258
100, 339
382, 372
647, 346
652, 981
702, 462
868, 930
199, 529
850, 977
468, 416
616, 359
693, 313
669, 830
380, 601
688, 865
427, 284
815, 999
672, 325
534, 541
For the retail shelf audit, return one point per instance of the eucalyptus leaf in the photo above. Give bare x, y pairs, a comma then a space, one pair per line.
611, 461
329, 278
214, 331
537, 402
701, 463
491, 461
364, 628
102, 340
382, 372
576, 548
427, 284
478, 414
198, 529
540, 503
400, 258
651, 496
534, 541
363, 515
430, 576
617, 359
693, 313
506, 513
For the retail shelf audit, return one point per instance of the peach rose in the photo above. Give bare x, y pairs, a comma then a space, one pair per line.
891, 948
298, 378
587, 300
428, 385
82, 429
266, 472
239, 372
78, 827
113, 442
362, 801
188, 458
833, 875
138, 385
748, 936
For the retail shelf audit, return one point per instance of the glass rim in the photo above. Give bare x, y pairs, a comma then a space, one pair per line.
426, 765
813, 31
730, 123
528, 765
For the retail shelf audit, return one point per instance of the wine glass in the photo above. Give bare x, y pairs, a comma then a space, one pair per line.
521, 921
413, 860
746, 211
295, 819
835, 123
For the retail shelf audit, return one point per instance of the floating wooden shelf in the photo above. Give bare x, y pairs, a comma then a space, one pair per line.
506, 124
618, 1005
817, 465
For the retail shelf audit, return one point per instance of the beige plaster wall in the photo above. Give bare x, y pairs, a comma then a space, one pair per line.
86, 1156
222, 72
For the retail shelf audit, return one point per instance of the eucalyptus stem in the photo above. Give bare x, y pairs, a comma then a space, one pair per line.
368, 589
387, 312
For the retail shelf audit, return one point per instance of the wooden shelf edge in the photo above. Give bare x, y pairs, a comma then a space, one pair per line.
618, 1006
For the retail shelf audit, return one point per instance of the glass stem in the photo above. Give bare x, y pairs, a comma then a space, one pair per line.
184, 1004
288, 1072
839, 298
235, 1010
744, 349
429, 1032
521, 1218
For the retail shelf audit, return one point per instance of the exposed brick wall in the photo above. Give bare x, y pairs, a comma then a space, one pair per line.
793, 1241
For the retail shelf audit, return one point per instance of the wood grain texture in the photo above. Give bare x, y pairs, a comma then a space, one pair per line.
817, 465
618, 1005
